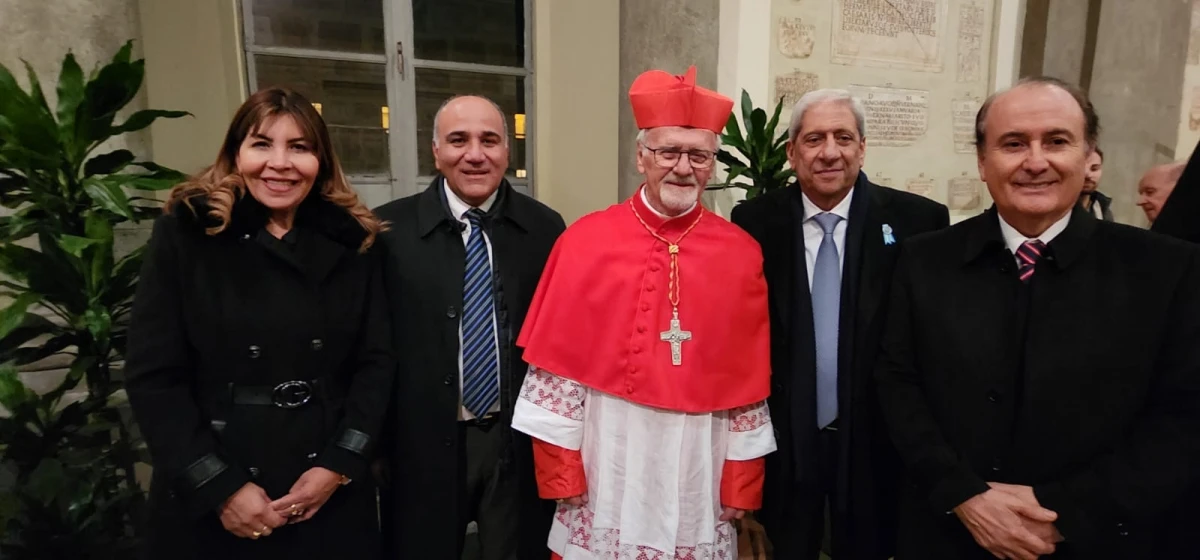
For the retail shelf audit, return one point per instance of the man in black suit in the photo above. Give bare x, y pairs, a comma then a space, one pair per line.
1016, 443
827, 293
463, 260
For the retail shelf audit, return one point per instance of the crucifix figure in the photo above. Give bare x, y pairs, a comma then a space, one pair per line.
676, 338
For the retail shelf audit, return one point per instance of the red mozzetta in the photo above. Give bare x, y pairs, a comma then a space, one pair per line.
601, 307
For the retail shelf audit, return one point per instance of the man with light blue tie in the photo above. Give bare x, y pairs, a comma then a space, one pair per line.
829, 245
463, 259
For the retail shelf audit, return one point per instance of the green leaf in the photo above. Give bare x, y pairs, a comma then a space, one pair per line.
108, 196
143, 119
774, 122
100, 230
12, 316
155, 183
45, 480
29, 354
112, 89
70, 95
75, 373
729, 159
111, 162
74, 245
98, 322
17, 227
732, 130
32, 325
785, 174
13, 393
124, 54
747, 109
735, 171
35, 88
25, 128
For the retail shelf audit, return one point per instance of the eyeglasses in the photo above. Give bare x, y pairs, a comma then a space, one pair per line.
669, 157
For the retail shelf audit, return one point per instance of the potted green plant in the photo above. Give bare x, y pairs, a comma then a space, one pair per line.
68, 487
761, 157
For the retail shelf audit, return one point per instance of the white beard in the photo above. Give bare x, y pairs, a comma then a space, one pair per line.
677, 200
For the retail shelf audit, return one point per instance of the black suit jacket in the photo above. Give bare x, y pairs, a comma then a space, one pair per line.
423, 275
984, 378
1177, 217
865, 513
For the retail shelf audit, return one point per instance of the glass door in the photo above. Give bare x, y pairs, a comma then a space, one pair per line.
378, 70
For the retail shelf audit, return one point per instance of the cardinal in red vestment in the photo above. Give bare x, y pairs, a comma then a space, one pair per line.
648, 347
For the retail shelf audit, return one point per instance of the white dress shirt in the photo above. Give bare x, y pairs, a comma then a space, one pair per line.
1013, 238
814, 234
459, 210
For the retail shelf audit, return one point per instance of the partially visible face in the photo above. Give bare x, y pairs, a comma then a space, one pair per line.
278, 163
1095, 169
471, 150
1153, 190
827, 152
674, 190
1034, 157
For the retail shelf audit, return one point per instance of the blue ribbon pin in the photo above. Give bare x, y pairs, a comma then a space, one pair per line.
888, 238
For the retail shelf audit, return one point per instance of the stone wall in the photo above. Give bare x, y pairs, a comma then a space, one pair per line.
667, 35
41, 32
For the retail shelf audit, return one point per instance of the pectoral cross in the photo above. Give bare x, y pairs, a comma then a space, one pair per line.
676, 337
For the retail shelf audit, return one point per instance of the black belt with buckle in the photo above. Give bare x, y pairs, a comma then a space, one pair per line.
487, 420
289, 394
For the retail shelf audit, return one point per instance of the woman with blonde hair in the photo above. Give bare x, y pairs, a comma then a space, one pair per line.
258, 363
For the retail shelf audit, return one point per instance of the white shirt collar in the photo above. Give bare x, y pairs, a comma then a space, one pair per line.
458, 208
842, 209
646, 201
1013, 238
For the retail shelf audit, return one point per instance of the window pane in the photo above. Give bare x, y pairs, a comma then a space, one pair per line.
435, 86
345, 25
352, 97
478, 31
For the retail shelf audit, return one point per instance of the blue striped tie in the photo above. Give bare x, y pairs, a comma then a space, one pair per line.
480, 363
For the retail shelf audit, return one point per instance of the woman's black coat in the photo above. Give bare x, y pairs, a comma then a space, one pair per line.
219, 323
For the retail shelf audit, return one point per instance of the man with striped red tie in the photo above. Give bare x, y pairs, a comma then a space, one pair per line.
1017, 444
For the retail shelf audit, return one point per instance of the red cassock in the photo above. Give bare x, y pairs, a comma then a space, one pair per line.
602, 304
601, 307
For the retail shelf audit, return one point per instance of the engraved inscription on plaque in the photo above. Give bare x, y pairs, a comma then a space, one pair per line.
920, 185
792, 85
964, 193
903, 34
796, 39
963, 119
895, 117
970, 42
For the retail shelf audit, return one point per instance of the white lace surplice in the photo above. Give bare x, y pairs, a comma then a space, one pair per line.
653, 475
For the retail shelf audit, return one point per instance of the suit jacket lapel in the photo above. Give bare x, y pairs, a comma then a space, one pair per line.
872, 282
780, 249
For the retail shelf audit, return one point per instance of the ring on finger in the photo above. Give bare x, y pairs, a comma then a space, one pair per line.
295, 510
255, 535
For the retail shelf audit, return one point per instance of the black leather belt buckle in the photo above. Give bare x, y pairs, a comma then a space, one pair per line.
485, 421
292, 394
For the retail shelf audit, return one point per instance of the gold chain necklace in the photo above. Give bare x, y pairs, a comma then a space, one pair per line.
675, 336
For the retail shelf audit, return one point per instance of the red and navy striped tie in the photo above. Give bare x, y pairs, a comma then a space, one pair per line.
1028, 255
